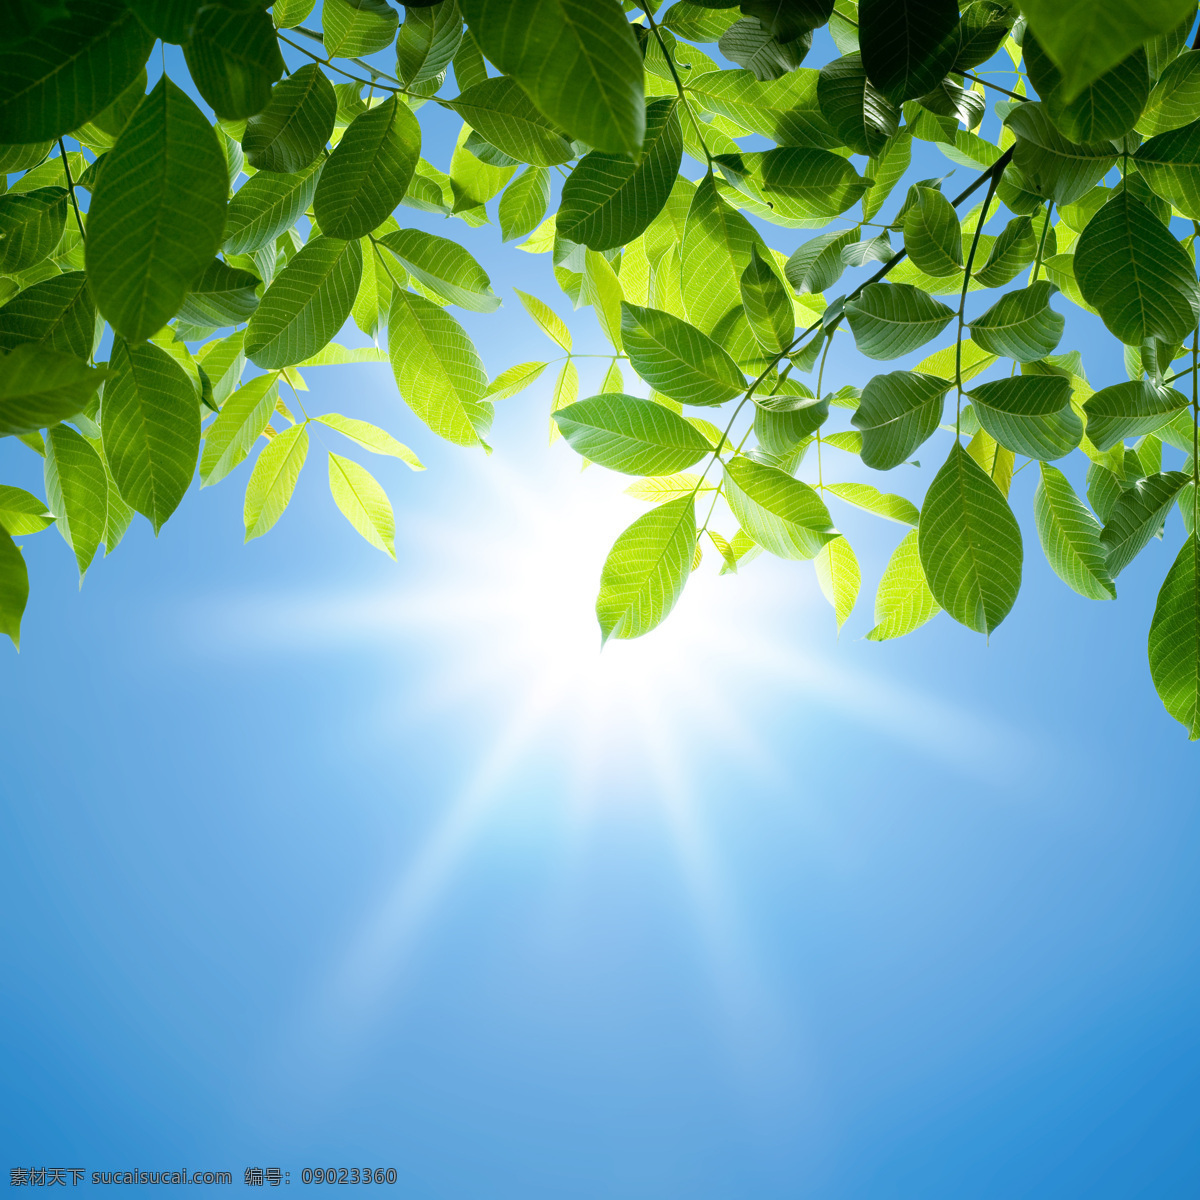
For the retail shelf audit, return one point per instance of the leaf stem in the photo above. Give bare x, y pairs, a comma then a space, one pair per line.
962, 300
62, 150
993, 86
679, 86
1037, 262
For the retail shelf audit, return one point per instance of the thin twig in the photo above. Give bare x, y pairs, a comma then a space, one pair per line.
62, 150
679, 87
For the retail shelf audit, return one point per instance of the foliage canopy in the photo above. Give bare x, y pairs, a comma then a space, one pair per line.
176, 252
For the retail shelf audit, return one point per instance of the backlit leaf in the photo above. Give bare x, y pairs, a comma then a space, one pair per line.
1129, 410
76, 492
243, 417
903, 602
371, 437
1070, 537
891, 319
635, 436
273, 480
897, 413
838, 576
1174, 645
56, 314
363, 502
780, 513
1021, 324
677, 359
295, 125
1137, 516
14, 588
40, 387
1029, 414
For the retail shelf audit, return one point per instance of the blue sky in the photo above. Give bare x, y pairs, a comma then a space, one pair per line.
316, 859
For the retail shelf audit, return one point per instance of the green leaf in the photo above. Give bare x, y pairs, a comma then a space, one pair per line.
908, 46
897, 413
677, 359
14, 588
886, 168
1175, 639
151, 427
817, 264
1070, 537
233, 58
667, 487
865, 121
273, 479
371, 437
981, 32
780, 513
566, 391
502, 113
523, 204
23, 157
890, 319
469, 67
72, 68
1086, 38
882, 504
1175, 100
287, 14
428, 41
1013, 250
768, 304
363, 502
635, 436
76, 492
294, 127
1051, 164
474, 182
158, 215
30, 227
1137, 516
583, 69
306, 305
239, 424
608, 200
21, 512
369, 171
602, 290
1021, 324
932, 233
1129, 410
223, 362
839, 577
970, 544
550, 323
1135, 274
782, 422
356, 27
444, 267
1170, 164
903, 602
437, 369
515, 379
1029, 414
56, 314
646, 569
223, 295
749, 44
40, 387
267, 204
797, 182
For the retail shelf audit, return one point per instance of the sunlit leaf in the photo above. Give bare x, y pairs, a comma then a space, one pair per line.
903, 602
635, 436
1070, 537
273, 480
363, 502
1175, 639
898, 412
780, 513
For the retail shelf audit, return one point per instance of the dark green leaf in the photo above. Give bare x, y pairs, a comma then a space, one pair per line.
750, 45
267, 204
56, 314
676, 359
608, 200
1175, 100
932, 233
783, 515
31, 225
500, 110
1135, 274
638, 437
428, 41
234, 59
369, 171
1052, 165
817, 264
907, 46
223, 295
307, 303
1013, 250
798, 182
646, 569
158, 215
294, 127
864, 120
1170, 164
1029, 414
890, 319
583, 69
40, 387
356, 27
1137, 516
69, 70
970, 544
151, 426
1129, 410
981, 32
1175, 639
444, 267
897, 413
1020, 325
1070, 537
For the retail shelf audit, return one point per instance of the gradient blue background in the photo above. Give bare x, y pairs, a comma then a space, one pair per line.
313, 859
